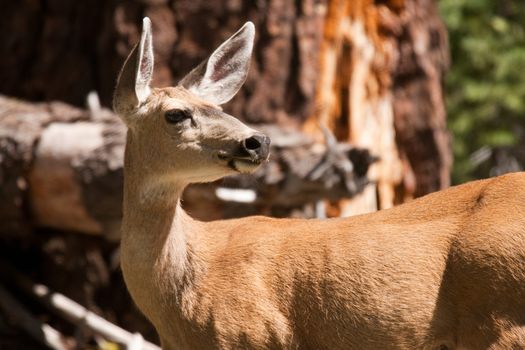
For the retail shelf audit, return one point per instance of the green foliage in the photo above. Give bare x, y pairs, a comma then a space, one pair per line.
485, 88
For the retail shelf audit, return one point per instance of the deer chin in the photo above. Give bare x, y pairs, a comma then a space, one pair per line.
244, 166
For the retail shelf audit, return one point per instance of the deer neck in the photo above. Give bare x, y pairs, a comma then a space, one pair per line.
156, 232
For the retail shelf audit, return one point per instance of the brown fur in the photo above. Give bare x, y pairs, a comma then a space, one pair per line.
446, 271
441, 270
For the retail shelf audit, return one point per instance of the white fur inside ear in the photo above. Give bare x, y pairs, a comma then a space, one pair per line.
144, 69
226, 69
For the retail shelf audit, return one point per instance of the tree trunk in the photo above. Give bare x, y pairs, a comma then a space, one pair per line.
62, 50
380, 87
419, 109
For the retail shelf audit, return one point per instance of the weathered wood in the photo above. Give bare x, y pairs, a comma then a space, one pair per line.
21, 125
380, 87
71, 168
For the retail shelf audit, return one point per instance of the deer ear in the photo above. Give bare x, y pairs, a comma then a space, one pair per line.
218, 78
135, 77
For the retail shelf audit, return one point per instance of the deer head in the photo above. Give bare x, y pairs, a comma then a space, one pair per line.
180, 134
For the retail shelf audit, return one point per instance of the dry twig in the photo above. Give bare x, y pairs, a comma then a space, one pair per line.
76, 313
41, 332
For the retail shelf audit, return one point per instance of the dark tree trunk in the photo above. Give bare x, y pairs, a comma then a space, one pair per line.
62, 50
419, 109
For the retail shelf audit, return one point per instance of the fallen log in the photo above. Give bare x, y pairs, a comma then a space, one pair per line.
61, 167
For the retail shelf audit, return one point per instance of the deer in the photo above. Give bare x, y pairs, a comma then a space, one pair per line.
445, 271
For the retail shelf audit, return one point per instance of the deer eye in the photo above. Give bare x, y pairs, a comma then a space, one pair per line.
175, 116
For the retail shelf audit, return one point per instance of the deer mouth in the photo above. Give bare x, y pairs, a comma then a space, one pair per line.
244, 165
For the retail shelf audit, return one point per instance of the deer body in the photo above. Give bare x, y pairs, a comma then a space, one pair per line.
446, 271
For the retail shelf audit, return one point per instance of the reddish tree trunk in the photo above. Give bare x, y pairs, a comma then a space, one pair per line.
380, 87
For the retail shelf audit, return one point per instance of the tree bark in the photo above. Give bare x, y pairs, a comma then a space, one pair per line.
380, 87
62, 50
420, 116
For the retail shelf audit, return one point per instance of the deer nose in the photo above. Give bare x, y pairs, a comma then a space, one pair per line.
257, 146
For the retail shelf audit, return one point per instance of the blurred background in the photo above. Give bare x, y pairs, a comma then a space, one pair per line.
369, 104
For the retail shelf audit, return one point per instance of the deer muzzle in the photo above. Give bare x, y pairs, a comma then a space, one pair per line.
256, 147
